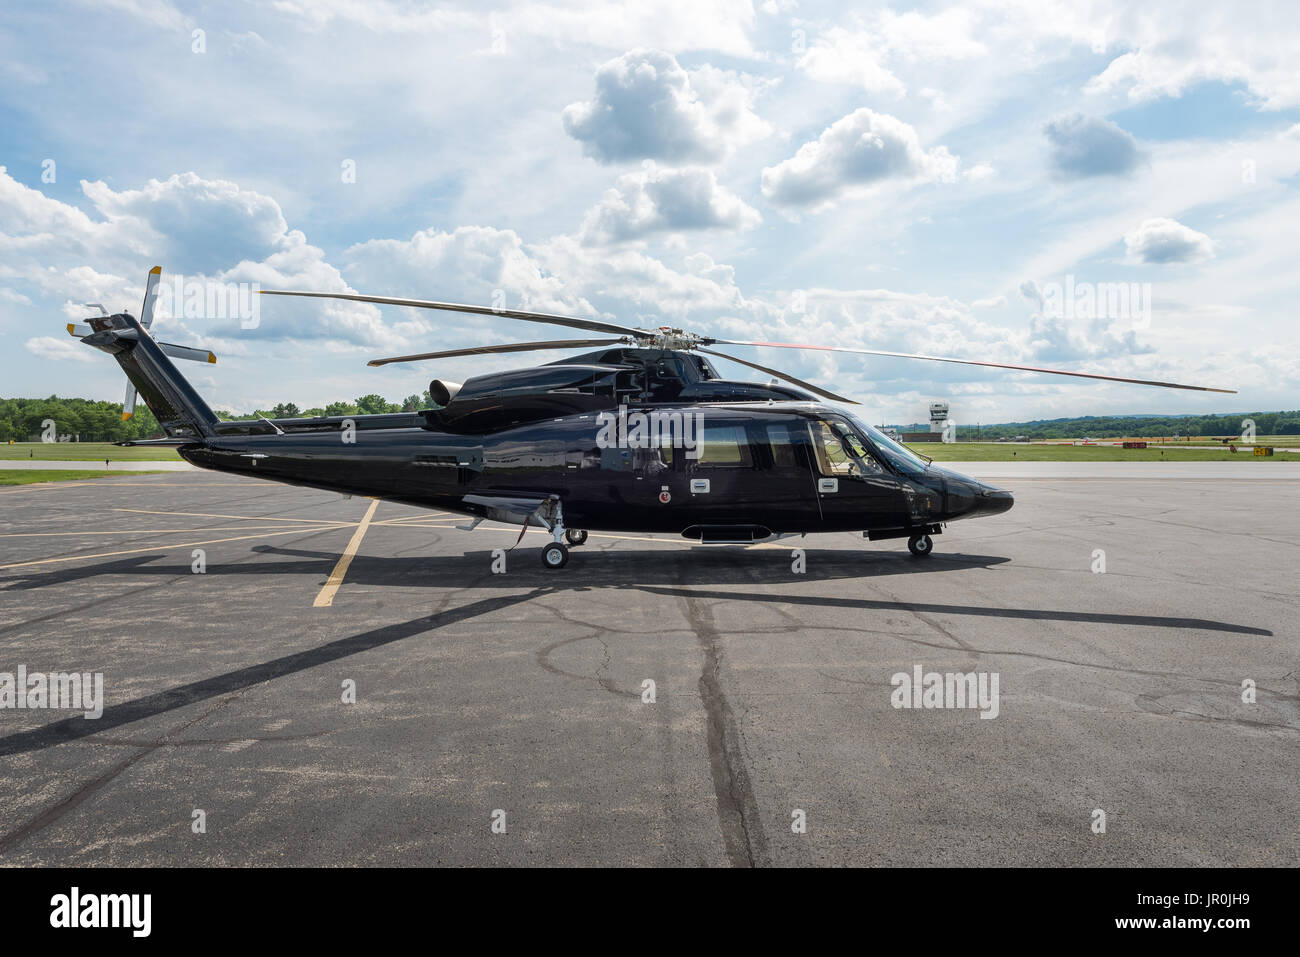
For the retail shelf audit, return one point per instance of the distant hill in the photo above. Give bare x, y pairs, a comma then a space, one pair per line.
1114, 426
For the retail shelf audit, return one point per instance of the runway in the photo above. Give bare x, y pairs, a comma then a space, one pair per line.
520, 699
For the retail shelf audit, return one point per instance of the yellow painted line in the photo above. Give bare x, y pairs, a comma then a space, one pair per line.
117, 483
443, 517
153, 531
326, 596
413, 525
51, 486
165, 546
642, 538
251, 518
415, 520
514, 530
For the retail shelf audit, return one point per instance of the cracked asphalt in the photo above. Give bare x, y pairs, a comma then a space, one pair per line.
523, 692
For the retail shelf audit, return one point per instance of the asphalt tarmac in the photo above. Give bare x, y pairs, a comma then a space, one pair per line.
520, 699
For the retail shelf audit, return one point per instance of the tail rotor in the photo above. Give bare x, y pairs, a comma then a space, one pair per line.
80, 330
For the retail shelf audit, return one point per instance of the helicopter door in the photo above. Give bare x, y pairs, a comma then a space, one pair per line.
783, 491
855, 491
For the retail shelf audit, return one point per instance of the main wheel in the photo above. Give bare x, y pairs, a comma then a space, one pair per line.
575, 536
555, 555
920, 545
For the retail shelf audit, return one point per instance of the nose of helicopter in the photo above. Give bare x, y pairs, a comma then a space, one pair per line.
970, 498
995, 501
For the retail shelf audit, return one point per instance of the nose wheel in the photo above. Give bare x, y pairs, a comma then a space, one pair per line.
920, 545
555, 555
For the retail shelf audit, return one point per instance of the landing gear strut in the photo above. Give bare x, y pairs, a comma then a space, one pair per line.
920, 545
556, 554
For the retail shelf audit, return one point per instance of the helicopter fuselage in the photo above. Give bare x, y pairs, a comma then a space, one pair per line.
716, 471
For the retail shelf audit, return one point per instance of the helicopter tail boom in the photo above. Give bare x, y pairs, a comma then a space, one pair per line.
180, 410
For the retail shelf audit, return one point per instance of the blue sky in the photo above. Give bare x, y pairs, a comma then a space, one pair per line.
924, 179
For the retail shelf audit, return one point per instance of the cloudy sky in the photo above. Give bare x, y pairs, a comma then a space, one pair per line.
970, 180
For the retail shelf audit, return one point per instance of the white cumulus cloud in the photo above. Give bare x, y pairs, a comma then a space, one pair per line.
661, 200
1167, 241
647, 106
1090, 146
859, 150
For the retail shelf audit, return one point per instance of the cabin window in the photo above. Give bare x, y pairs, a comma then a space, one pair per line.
781, 439
724, 446
666, 448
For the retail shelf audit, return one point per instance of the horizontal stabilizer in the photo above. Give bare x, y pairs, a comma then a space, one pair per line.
80, 330
169, 443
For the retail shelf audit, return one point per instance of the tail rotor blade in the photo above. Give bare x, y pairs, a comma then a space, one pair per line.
186, 352
150, 295
128, 405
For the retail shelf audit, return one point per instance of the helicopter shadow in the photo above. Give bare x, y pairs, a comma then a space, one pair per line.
587, 568
171, 699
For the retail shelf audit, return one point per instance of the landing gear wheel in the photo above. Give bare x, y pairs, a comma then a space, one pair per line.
920, 545
555, 555
575, 536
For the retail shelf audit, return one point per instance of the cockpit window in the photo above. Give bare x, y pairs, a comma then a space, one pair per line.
895, 453
840, 452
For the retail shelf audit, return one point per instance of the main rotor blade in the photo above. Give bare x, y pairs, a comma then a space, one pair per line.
976, 362
816, 390
590, 325
509, 347
150, 294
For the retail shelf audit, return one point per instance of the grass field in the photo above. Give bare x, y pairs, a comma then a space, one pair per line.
85, 452
1021, 452
33, 476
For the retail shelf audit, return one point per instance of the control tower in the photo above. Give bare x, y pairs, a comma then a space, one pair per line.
938, 416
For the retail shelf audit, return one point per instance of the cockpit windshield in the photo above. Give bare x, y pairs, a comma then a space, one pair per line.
897, 454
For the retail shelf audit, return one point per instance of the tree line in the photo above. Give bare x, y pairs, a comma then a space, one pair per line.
1116, 426
372, 404
97, 421
90, 420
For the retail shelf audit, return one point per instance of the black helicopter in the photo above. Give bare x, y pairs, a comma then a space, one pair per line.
640, 435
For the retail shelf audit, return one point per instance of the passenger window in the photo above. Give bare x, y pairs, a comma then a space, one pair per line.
781, 441
724, 446
666, 449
